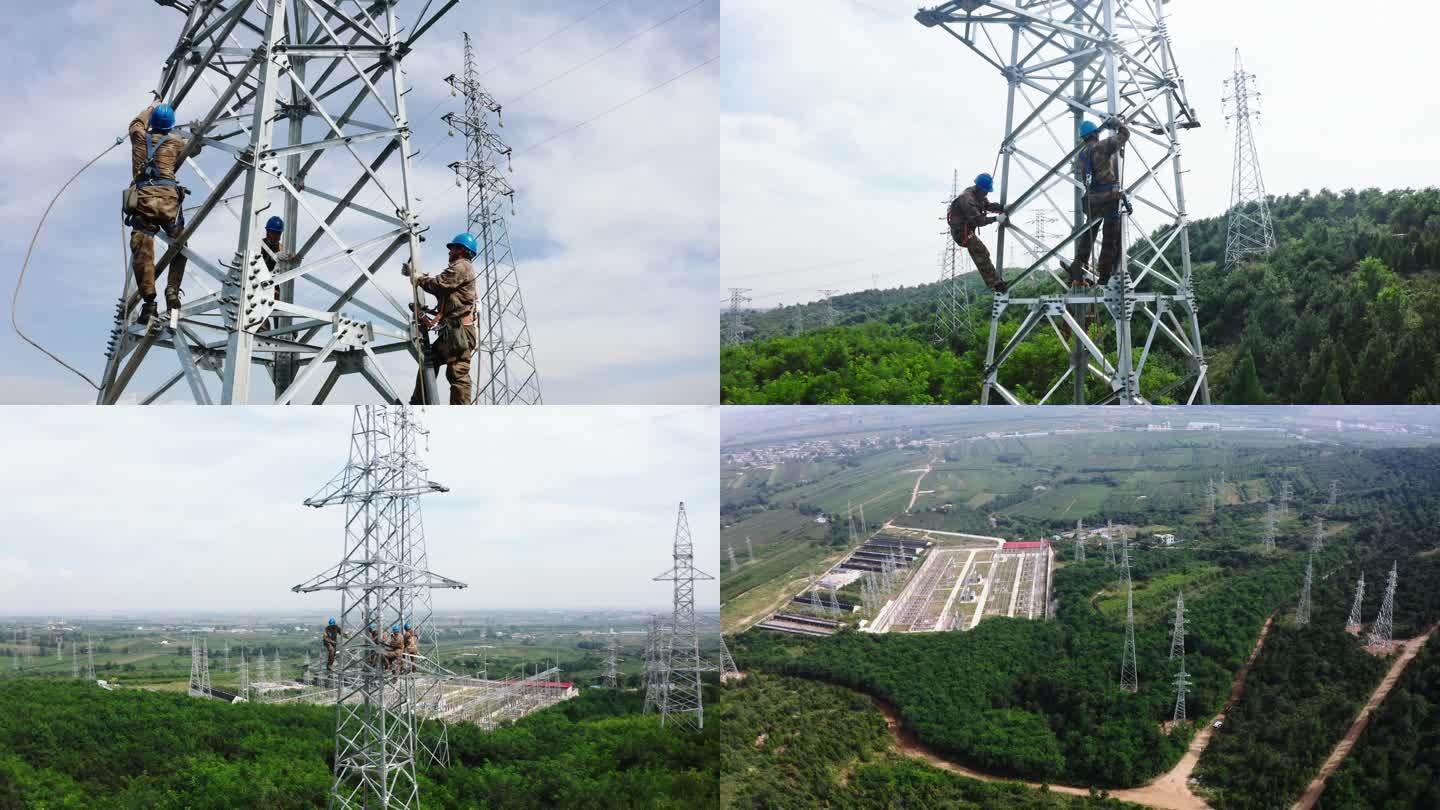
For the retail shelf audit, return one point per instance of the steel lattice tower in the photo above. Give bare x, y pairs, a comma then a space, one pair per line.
1352, 624
682, 703
827, 309
1065, 61
244, 676
735, 317
1177, 635
654, 665
730, 550
1317, 544
1129, 669
1334, 492
1272, 517
612, 662
1302, 613
90, 657
507, 375
1382, 631
1247, 226
728, 670
383, 580
1285, 492
750, 548
1210, 495
75, 660
954, 295
301, 108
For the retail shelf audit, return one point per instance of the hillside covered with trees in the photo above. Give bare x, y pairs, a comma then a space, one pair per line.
1347, 310
71, 744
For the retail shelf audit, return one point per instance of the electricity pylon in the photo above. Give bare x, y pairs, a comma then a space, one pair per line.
1286, 491
299, 112
750, 548
827, 309
1334, 493
735, 316
1210, 496
1129, 669
1247, 225
730, 551
1302, 613
612, 662
244, 676
682, 704
1352, 624
728, 670
1066, 62
655, 635
383, 580
954, 295
1272, 517
1384, 627
1177, 634
90, 658
1317, 544
507, 373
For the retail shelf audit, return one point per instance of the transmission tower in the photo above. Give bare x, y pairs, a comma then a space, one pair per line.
654, 686
954, 295
1272, 517
89, 658
728, 670
1110, 544
1318, 543
1285, 493
75, 660
244, 676
827, 309
1177, 635
797, 326
834, 604
1334, 492
1079, 545
1384, 627
730, 550
1065, 63
1302, 613
507, 374
682, 705
279, 673
864, 527
1210, 496
612, 662
383, 580
1129, 670
749, 549
227, 657
1247, 227
1352, 624
1182, 687
735, 321
254, 75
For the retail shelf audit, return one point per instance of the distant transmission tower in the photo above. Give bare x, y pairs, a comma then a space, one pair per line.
1302, 613
1079, 544
827, 309
728, 670
1384, 627
682, 705
1129, 669
797, 326
749, 549
244, 676
1177, 635
382, 580
1210, 496
735, 322
730, 550
1352, 624
1065, 63
1334, 492
1272, 517
507, 373
1247, 228
1109, 544
654, 682
89, 658
1285, 493
954, 295
612, 662
1318, 543
227, 657
75, 660
834, 604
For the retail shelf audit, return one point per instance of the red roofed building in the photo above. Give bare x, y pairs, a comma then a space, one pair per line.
1025, 545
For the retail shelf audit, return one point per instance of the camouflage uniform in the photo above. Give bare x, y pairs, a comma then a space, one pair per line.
394, 643
158, 208
966, 215
412, 647
456, 290
1100, 164
331, 638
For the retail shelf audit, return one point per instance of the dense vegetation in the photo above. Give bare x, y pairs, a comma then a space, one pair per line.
1347, 309
1302, 694
66, 744
1396, 761
788, 743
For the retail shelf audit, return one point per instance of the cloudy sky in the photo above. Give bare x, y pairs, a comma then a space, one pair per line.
842, 120
616, 230
565, 507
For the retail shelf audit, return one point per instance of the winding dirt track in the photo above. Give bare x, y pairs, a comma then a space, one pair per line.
1342, 748
1170, 790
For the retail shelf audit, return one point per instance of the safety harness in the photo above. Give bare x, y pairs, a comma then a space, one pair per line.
1097, 188
150, 176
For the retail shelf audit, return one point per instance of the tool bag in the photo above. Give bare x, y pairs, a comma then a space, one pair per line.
454, 338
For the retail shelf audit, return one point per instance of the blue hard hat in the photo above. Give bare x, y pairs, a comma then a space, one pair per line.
407, 625
394, 628
275, 225
332, 621
985, 182
465, 241
162, 118
1087, 129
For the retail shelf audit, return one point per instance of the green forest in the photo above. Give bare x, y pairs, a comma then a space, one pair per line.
65, 744
1346, 310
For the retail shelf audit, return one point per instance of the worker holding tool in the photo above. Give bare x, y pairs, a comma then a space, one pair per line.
412, 647
394, 645
331, 637
1097, 167
456, 335
154, 201
966, 215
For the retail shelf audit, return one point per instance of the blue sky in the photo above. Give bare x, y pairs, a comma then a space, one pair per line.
616, 231
565, 506
842, 120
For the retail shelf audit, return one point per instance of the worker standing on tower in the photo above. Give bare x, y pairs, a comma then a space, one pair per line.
154, 202
1097, 167
457, 336
412, 648
966, 215
394, 646
331, 637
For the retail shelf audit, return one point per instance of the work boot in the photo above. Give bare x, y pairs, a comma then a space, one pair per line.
147, 311
172, 298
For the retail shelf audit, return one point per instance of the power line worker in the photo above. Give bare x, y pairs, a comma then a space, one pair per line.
966, 215
331, 637
155, 203
394, 644
412, 647
375, 659
456, 336
274, 229
1097, 167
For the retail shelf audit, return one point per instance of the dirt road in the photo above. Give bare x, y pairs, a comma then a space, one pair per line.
1170, 790
915, 493
1317, 786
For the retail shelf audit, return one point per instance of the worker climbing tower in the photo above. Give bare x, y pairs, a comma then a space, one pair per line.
381, 578
681, 703
1067, 62
954, 295
507, 373
294, 112
1247, 224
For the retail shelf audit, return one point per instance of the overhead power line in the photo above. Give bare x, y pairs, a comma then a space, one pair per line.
557, 32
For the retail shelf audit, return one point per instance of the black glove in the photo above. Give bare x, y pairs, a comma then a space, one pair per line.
994, 206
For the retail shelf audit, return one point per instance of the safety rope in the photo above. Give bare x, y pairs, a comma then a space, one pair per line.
15, 298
